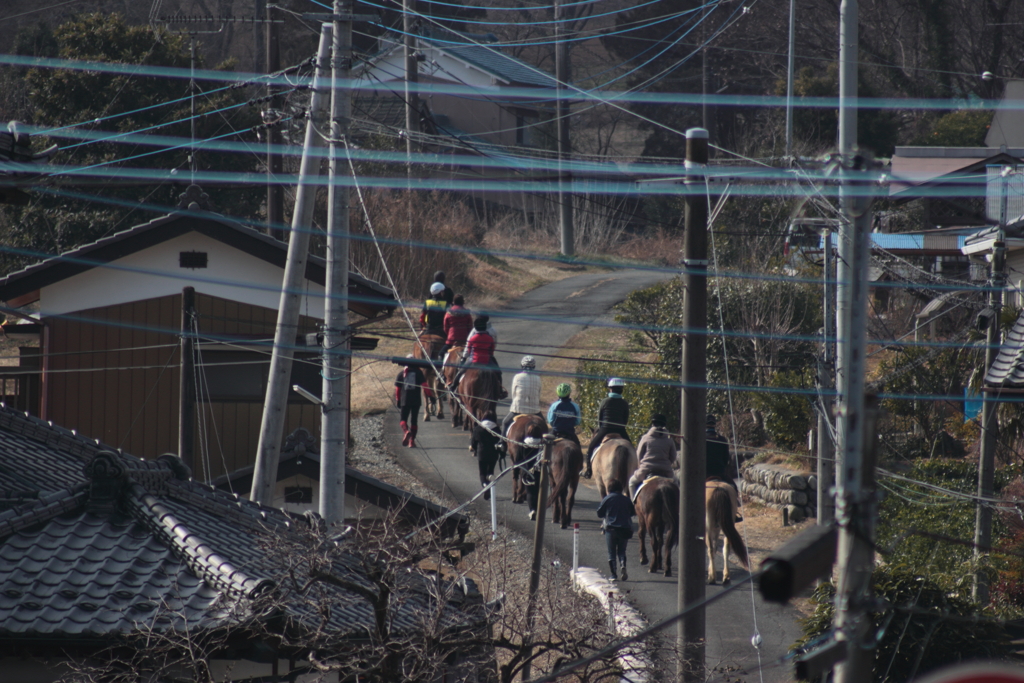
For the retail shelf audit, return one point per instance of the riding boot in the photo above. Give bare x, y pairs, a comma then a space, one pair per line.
624, 575
412, 436
405, 433
587, 472
611, 566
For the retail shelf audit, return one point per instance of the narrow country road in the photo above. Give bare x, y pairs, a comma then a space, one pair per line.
549, 316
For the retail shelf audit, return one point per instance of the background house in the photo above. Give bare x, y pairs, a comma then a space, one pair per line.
108, 316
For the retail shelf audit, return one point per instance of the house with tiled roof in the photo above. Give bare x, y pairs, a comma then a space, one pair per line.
109, 560
104, 326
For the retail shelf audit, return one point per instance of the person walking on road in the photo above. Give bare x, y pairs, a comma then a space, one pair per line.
612, 418
564, 414
656, 454
719, 463
617, 511
525, 394
408, 385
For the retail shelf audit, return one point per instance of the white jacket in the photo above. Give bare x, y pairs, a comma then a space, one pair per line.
525, 393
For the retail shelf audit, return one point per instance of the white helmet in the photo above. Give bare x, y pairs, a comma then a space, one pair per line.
437, 288
489, 424
616, 382
528, 362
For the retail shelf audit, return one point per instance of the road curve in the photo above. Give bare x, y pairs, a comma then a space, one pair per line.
547, 317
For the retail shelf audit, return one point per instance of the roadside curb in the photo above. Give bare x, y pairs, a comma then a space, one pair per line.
628, 621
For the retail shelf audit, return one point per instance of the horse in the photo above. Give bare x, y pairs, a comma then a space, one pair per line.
566, 463
524, 483
448, 373
432, 343
719, 520
614, 459
478, 391
657, 512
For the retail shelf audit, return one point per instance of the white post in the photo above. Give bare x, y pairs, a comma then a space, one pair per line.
575, 546
494, 515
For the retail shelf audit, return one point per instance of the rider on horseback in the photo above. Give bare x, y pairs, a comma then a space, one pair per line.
448, 295
564, 414
525, 394
432, 316
458, 323
719, 463
612, 418
657, 455
479, 350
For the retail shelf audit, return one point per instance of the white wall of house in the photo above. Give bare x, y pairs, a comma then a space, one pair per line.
155, 272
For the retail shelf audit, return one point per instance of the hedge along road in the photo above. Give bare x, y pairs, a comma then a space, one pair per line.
548, 317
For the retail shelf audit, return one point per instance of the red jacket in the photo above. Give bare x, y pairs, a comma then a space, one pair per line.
480, 348
458, 323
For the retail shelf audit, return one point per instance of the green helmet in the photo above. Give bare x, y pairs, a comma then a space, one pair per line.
563, 390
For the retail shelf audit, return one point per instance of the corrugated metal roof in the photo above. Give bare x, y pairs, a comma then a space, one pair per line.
490, 58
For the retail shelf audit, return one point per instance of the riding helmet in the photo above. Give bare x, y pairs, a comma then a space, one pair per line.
658, 420
528, 362
616, 382
563, 390
437, 288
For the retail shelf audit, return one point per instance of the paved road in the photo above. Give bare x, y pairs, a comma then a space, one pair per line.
550, 315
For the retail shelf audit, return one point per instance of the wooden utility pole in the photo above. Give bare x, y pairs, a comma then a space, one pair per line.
989, 421
275, 192
538, 551
826, 454
412, 73
336, 354
693, 417
563, 73
275, 406
187, 379
789, 85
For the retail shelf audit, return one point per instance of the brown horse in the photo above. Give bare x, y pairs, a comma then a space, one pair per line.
566, 463
524, 482
451, 369
720, 521
614, 459
657, 512
429, 346
478, 391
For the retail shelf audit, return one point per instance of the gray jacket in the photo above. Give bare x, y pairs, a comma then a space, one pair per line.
657, 451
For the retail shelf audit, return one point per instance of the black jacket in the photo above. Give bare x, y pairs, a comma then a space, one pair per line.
613, 413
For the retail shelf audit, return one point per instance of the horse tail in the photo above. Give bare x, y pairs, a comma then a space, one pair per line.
670, 513
620, 458
721, 507
561, 486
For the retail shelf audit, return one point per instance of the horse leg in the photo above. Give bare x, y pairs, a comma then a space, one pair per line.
642, 520
570, 500
711, 540
656, 548
438, 388
726, 579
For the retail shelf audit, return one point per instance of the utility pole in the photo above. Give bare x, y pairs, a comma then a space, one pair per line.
989, 419
187, 379
275, 406
538, 550
826, 454
336, 355
693, 411
275, 193
412, 114
789, 86
563, 73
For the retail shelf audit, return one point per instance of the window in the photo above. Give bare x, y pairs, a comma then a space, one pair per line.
192, 259
525, 124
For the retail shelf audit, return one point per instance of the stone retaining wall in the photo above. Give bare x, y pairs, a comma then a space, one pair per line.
782, 488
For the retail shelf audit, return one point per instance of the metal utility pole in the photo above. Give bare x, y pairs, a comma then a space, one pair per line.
412, 73
538, 550
275, 193
789, 81
187, 379
563, 73
989, 419
693, 415
826, 454
275, 406
336, 356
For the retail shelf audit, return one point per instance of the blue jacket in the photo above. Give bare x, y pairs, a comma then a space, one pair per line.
616, 509
563, 416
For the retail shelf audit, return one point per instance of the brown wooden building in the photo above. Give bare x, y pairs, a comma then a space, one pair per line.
108, 318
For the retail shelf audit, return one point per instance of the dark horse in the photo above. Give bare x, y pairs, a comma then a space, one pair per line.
432, 343
657, 511
478, 391
525, 481
566, 463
